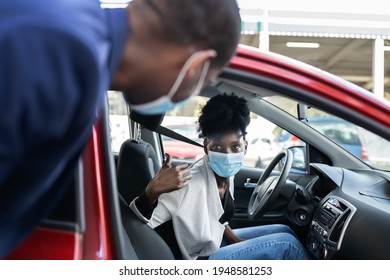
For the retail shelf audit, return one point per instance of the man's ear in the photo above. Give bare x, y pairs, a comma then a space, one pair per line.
246, 146
198, 63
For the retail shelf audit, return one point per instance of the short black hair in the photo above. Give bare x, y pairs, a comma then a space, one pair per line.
214, 24
223, 112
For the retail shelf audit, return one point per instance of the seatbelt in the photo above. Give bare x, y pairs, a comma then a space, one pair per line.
153, 123
172, 134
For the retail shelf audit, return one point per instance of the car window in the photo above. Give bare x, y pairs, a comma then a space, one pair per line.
188, 130
364, 145
262, 142
341, 132
265, 139
118, 120
261, 135
179, 149
183, 120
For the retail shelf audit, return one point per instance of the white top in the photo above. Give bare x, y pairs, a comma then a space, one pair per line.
195, 212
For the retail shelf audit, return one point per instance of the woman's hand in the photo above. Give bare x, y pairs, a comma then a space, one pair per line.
230, 236
168, 178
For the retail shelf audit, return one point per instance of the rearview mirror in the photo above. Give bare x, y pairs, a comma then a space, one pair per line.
302, 111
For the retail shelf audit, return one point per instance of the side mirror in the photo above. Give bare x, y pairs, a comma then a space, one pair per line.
299, 158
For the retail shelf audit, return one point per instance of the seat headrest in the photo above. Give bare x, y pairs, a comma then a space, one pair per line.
151, 122
137, 165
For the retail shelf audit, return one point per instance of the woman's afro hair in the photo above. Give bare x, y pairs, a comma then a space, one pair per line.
223, 112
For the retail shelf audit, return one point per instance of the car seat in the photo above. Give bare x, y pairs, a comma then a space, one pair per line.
137, 165
137, 160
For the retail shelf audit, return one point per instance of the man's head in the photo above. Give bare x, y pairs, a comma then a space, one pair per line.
164, 35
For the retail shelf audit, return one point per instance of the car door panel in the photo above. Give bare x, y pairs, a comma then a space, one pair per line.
244, 182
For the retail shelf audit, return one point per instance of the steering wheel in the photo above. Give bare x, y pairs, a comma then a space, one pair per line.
268, 187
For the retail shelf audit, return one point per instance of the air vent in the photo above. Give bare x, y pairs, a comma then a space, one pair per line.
338, 229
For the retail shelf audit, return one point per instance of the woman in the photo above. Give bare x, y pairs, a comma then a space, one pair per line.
190, 208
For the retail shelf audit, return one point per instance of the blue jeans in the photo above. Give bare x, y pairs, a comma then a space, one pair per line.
269, 242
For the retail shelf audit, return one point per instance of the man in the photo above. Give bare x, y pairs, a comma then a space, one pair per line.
57, 58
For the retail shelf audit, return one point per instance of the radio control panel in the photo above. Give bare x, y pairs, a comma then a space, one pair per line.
328, 227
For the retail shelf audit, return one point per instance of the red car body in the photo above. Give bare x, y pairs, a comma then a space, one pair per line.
98, 237
95, 242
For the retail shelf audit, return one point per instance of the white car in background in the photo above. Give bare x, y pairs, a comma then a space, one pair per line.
260, 152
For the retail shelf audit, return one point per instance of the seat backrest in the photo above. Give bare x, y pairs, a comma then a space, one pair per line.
137, 165
145, 241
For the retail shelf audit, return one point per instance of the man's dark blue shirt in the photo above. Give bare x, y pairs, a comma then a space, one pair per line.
56, 61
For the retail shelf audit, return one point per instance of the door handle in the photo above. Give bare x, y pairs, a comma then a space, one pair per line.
249, 184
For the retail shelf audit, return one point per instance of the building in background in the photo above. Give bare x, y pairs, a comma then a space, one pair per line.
349, 39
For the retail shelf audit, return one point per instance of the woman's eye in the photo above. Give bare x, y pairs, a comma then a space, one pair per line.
236, 148
216, 148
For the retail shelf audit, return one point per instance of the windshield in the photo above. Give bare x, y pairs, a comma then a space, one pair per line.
190, 131
340, 131
363, 144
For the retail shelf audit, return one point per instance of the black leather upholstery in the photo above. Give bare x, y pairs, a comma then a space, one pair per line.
147, 244
137, 165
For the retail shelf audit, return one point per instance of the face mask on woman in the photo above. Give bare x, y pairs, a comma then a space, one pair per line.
225, 165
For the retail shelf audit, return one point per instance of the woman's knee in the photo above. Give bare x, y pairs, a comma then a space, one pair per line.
292, 241
257, 231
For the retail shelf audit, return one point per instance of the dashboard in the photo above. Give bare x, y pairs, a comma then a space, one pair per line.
353, 217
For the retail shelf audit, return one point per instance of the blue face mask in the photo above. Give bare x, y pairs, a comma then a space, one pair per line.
158, 106
164, 103
225, 165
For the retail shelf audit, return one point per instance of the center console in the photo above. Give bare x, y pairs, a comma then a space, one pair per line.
328, 227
